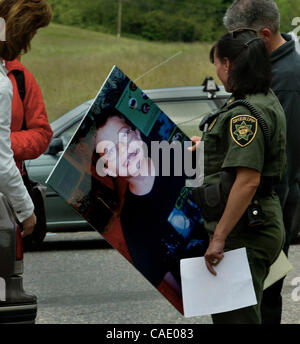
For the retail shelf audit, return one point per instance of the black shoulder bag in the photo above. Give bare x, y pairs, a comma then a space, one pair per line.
36, 190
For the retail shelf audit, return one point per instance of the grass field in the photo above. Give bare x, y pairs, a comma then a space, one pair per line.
70, 64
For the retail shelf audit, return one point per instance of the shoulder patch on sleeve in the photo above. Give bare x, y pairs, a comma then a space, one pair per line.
243, 129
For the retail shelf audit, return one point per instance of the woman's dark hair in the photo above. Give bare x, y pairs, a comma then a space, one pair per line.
250, 70
22, 18
101, 119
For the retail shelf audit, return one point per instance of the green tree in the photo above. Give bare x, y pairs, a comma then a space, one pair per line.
167, 20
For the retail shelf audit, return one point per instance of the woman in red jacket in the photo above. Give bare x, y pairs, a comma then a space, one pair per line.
30, 136
30, 143
22, 20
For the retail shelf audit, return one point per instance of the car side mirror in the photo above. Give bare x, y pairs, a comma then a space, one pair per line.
56, 145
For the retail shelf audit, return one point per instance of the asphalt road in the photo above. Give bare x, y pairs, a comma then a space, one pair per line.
79, 279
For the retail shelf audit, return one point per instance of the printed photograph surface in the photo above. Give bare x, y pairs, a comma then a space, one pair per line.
123, 172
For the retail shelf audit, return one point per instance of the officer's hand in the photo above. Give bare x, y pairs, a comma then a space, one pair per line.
28, 225
214, 254
196, 140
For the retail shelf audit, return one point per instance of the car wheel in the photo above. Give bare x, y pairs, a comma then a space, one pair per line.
295, 235
35, 240
294, 213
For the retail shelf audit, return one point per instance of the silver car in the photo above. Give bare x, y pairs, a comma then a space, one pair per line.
184, 105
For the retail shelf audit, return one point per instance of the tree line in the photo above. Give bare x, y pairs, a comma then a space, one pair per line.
158, 20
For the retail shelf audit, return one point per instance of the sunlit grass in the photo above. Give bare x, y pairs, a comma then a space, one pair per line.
70, 64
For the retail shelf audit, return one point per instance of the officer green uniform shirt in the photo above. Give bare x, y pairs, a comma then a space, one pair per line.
235, 139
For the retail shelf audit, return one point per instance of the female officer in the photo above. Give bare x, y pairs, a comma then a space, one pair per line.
235, 142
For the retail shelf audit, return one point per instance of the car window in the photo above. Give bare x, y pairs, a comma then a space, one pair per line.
187, 114
67, 134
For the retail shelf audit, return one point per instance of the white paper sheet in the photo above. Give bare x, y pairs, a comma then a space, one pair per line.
204, 293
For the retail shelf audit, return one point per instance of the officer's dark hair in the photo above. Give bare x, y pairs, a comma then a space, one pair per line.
250, 70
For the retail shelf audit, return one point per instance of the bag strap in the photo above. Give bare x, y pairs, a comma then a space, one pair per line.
20, 79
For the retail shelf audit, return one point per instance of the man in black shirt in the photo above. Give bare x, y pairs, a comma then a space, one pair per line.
263, 17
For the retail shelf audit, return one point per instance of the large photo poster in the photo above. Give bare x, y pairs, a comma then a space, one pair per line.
126, 172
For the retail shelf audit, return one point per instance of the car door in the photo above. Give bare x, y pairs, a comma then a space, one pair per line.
60, 215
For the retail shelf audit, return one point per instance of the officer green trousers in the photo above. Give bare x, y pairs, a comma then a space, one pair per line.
248, 315
263, 245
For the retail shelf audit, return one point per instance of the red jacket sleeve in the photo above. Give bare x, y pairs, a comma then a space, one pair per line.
31, 143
